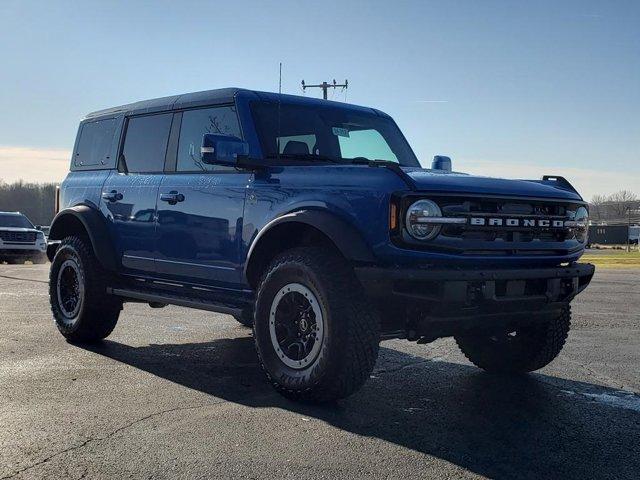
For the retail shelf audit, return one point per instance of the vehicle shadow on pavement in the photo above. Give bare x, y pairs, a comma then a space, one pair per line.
533, 426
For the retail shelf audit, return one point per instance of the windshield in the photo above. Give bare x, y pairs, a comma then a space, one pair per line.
15, 221
327, 133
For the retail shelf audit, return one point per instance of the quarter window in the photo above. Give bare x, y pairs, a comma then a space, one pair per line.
195, 123
145, 144
94, 146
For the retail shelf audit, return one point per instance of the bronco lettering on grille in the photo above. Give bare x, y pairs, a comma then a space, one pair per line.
521, 222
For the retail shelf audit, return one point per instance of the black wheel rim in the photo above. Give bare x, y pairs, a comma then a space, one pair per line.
70, 289
296, 325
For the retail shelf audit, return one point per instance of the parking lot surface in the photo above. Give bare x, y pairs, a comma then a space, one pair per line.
177, 393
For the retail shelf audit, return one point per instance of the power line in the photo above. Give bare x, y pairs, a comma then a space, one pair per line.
325, 86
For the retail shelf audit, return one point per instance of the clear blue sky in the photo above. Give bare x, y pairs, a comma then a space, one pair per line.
503, 87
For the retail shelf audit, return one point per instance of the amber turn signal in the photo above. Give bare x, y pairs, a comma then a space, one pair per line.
393, 216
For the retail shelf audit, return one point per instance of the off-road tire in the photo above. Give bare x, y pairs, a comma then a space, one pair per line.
351, 339
98, 311
531, 348
245, 318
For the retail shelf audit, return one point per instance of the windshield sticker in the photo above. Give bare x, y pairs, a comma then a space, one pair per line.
340, 132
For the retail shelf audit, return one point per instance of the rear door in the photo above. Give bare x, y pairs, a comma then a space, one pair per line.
129, 194
200, 206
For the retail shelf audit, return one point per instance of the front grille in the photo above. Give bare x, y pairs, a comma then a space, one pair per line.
513, 235
506, 208
498, 226
18, 237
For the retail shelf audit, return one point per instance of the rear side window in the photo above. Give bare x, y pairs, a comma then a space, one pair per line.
195, 123
94, 145
145, 143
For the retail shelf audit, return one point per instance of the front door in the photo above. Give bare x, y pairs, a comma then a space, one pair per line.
200, 206
129, 195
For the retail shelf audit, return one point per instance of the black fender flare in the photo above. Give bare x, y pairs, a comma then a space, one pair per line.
95, 226
344, 235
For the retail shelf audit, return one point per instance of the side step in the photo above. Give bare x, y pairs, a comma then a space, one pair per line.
181, 301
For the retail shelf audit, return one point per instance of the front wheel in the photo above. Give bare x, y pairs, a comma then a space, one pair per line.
81, 307
520, 350
316, 336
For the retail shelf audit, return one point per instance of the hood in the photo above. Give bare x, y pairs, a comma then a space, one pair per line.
451, 182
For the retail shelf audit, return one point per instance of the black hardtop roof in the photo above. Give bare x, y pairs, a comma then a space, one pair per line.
211, 97
222, 95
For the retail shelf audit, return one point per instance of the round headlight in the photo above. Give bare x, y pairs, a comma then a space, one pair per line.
418, 220
582, 224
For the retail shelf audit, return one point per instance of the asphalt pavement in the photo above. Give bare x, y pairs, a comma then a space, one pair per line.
177, 393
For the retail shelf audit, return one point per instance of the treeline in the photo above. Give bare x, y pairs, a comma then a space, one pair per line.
620, 207
35, 200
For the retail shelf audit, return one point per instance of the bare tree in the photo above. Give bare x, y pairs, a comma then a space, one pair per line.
622, 201
598, 203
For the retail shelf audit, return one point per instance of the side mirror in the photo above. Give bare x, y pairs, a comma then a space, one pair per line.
38, 227
222, 149
441, 162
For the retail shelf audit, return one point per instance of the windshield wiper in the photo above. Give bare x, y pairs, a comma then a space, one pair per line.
393, 166
373, 163
304, 156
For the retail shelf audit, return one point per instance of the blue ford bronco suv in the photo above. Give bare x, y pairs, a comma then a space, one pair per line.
312, 222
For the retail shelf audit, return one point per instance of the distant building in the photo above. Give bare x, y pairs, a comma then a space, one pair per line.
612, 234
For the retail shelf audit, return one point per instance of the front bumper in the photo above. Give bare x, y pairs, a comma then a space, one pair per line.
418, 298
544, 284
21, 249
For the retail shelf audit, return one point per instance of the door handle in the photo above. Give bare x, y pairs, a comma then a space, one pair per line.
172, 197
112, 196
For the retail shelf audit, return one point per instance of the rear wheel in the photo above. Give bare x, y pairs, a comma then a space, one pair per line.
316, 336
82, 309
524, 349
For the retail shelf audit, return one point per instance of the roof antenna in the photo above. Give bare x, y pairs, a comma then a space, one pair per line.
279, 103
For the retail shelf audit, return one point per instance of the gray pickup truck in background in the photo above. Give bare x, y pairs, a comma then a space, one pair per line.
20, 240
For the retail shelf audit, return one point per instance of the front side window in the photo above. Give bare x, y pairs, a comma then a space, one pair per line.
14, 221
195, 123
329, 134
145, 143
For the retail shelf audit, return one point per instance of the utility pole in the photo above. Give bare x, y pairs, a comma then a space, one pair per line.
325, 86
628, 228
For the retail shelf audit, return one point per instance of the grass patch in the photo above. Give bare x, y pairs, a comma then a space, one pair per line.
613, 259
